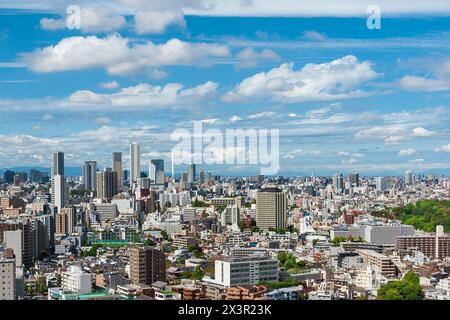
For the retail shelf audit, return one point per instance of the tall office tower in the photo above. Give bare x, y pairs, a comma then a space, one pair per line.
409, 179
184, 177
157, 171
202, 176
380, 184
338, 181
58, 163
147, 265
89, 178
191, 173
271, 206
125, 175
353, 177
152, 172
65, 221
117, 168
106, 184
60, 192
135, 161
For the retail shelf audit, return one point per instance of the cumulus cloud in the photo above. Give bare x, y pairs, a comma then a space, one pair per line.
103, 121
249, 57
338, 79
142, 95
414, 83
93, 19
156, 22
119, 55
394, 134
109, 85
407, 152
445, 149
235, 119
422, 132
416, 161
314, 36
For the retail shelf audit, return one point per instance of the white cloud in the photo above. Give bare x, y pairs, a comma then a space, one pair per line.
103, 121
445, 149
422, 132
337, 79
416, 161
350, 161
118, 56
249, 57
292, 154
314, 36
156, 22
407, 152
235, 119
93, 19
414, 83
141, 96
47, 117
260, 115
343, 154
109, 85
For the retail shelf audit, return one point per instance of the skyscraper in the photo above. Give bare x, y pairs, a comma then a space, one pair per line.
191, 173
380, 184
58, 163
353, 177
409, 179
271, 206
157, 171
89, 178
106, 184
117, 168
60, 192
135, 161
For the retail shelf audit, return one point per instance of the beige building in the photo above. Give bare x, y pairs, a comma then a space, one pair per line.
65, 221
380, 262
7, 279
271, 207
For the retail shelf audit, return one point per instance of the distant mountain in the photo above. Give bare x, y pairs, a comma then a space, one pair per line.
68, 171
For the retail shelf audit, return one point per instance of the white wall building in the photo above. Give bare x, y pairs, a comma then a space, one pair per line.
76, 281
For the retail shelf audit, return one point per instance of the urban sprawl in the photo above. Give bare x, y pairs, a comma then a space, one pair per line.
118, 234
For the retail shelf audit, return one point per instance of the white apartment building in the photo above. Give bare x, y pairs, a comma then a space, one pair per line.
76, 281
250, 270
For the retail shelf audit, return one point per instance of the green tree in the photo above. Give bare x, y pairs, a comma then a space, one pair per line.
197, 274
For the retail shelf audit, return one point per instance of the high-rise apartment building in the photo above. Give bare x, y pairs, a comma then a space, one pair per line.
89, 178
191, 176
147, 265
106, 184
117, 168
380, 183
60, 192
353, 177
271, 207
135, 161
65, 221
58, 163
156, 171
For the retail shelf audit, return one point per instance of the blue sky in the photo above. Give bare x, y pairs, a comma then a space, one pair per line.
344, 97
